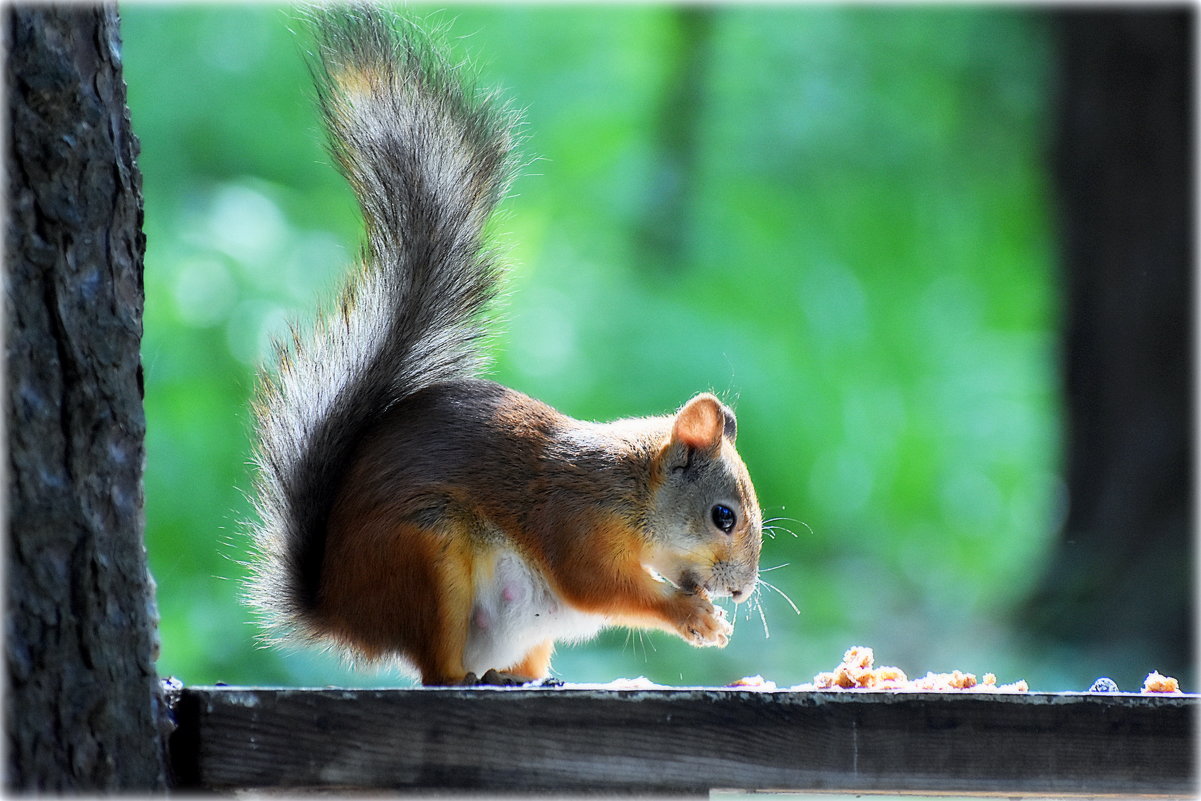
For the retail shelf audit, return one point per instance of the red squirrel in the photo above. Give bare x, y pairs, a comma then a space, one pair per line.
413, 511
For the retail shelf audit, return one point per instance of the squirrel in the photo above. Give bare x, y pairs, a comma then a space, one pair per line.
410, 510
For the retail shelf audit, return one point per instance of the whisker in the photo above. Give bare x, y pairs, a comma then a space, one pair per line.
767, 523
763, 570
783, 594
763, 617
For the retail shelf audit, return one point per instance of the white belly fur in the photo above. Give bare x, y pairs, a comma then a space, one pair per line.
514, 611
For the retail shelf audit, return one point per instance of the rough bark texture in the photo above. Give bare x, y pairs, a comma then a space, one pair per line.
81, 703
1121, 580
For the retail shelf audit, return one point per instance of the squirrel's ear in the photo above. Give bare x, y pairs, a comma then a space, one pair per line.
702, 423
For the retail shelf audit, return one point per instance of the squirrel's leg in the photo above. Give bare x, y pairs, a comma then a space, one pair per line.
447, 611
392, 587
536, 664
696, 619
690, 615
646, 602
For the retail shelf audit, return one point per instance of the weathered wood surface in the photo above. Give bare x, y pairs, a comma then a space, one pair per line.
686, 739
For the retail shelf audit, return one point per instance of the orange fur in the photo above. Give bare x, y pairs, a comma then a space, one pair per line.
536, 664
410, 509
442, 485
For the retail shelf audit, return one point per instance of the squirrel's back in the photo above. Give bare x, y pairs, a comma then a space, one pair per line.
428, 162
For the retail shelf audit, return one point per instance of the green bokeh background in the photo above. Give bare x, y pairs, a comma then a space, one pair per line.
855, 249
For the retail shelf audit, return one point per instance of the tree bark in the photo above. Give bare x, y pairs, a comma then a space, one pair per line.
81, 705
1120, 582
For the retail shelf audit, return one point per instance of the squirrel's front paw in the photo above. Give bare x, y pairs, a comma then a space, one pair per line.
705, 624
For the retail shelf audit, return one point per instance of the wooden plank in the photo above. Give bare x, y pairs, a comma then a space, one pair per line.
686, 740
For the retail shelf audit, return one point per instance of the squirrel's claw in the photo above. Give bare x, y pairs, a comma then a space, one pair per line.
706, 625
495, 678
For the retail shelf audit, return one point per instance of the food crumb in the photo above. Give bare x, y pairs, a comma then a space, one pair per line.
639, 683
889, 677
939, 682
1158, 683
856, 672
753, 683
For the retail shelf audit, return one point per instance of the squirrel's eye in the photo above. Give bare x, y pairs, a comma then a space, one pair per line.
724, 517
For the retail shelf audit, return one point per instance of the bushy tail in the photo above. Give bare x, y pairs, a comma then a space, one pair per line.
428, 161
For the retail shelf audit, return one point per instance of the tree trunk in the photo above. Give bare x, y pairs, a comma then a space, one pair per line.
665, 227
81, 704
1120, 583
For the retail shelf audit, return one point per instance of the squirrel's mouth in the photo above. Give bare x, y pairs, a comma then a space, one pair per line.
730, 580
715, 588
737, 594
690, 581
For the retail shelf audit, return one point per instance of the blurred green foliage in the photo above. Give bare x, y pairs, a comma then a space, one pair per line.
851, 242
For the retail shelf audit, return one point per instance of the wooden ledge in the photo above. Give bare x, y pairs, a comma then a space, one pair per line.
688, 739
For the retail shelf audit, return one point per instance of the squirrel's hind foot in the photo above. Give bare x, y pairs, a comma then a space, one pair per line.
496, 678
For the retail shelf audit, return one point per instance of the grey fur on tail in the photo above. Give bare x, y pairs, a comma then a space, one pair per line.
428, 160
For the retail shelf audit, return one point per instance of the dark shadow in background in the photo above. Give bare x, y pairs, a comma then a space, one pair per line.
1119, 584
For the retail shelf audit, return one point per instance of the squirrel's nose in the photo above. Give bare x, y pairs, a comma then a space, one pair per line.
740, 594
